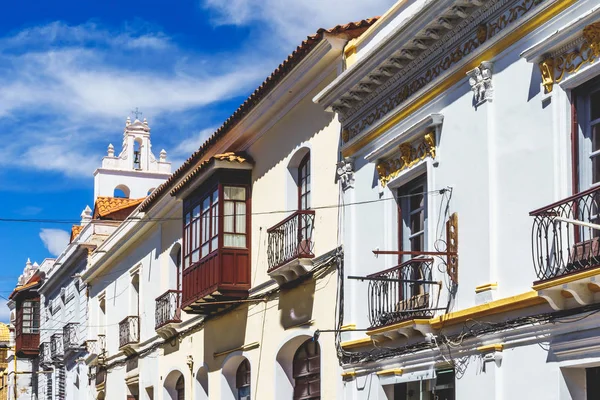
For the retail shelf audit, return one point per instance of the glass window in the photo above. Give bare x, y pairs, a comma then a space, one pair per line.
242, 381
30, 321
304, 183
234, 216
201, 229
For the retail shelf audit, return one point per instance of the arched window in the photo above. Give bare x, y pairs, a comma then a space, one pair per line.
176, 258
304, 183
242, 380
121, 191
307, 371
180, 388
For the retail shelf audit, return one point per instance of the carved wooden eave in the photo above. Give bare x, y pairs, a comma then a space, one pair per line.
427, 54
563, 53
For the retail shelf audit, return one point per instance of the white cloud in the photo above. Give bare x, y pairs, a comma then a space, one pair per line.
63, 88
293, 20
55, 240
4, 311
187, 146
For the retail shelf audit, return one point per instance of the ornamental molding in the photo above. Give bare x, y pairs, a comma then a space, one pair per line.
410, 154
345, 173
465, 35
480, 79
566, 61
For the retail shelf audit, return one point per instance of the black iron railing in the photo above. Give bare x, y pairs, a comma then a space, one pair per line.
168, 308
71, 337
45, 353
291, 239
129, 331
56, 346
401, 293
565, 235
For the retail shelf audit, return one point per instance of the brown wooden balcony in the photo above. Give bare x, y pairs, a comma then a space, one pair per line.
290, 250
129, 334
565, 236
222, 276
167, 313
27, 344
71, 342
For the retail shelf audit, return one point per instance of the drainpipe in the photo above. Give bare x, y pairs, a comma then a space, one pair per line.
15, 371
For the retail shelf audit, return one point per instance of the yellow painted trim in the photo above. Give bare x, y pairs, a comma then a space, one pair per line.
348, 327
357, 343
349, 374
491, 347
419, 101
487, 286
392, 371
493, 307
567, 279
400, 325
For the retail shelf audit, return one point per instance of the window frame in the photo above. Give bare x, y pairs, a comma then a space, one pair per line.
582, 138
216, 240
307, 375
243, 380
33, 317
305, 165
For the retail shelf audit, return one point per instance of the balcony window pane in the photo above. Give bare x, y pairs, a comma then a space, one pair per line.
196, 211
595, 105
205, 250
205, 227
240, 215
229, 216
234, 193
195, 255
233, 240
214, 243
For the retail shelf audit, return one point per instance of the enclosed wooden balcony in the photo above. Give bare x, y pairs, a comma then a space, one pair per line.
129, 334
167, 313
291, 245
566, 249
27, 343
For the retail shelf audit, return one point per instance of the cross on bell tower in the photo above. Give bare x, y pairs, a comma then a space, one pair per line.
137, 113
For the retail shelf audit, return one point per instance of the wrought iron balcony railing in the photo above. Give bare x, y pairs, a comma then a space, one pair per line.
566, 235
402, 293
291, 239
129, 331
71, 337
56, 346
168, 308
45, 353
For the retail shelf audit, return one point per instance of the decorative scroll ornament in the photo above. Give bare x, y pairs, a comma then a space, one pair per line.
345, 173
480, 79
555, 69
410, 154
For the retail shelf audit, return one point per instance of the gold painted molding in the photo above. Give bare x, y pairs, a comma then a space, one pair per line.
487, 286
491, 347
493, 28
410, 154
566, 279
348, 327
554, 69
391, 371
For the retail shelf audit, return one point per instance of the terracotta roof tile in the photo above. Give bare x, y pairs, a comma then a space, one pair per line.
108, 205
350, 31
230, 157
75, 230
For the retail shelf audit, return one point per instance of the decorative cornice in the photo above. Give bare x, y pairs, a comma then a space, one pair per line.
410, 154
586, 50
480, 27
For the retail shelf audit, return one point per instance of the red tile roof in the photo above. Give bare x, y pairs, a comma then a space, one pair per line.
350, 31
105, 206
75, 230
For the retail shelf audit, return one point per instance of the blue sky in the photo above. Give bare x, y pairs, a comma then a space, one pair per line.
71, 71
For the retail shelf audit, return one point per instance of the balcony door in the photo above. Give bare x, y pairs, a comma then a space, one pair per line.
412, 236
304, 191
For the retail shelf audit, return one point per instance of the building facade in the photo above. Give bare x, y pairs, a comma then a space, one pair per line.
240, 249
471, 256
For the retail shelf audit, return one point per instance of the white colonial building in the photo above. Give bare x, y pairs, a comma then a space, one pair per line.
232, 309
471, 252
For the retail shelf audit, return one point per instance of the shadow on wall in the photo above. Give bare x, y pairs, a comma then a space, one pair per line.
296, 304
303, 123
224, 333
